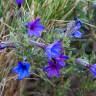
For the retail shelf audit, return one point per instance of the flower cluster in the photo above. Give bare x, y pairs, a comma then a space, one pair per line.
54, 51
56, 59
34, 28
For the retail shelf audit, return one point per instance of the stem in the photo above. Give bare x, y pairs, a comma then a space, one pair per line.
7, 45
53, 91
4, 45
41, 45
83, 62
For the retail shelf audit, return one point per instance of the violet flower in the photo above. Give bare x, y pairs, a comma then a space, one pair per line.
52, 69
19, 2
22, 69
35, 28
54, 66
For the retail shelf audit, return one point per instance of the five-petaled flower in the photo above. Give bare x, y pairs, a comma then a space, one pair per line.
22, 69
54, 66
53, 50
35, 28
19, 2
75, 31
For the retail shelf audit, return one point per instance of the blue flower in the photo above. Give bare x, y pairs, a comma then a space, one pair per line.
35, 28
77, 34
19, 2
78, 24
54, 49
75, 31
22, 69
54, 66
92, 69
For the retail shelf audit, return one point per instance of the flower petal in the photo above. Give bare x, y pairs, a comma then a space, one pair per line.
35, 28
19, 2
77, 34
22, 74
53, 50
36, 21
30, 32
16, 69
52, 73
93, 70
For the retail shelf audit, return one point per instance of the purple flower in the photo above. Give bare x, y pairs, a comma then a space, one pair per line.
53, 50
52, 69
75, 32
92, 69
35, 28
54, 66
19, 2
22, 69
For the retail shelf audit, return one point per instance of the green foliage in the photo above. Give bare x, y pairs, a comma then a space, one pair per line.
62, 90
0, 9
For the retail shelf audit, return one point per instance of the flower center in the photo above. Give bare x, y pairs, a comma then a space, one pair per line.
53, 66
24, 67
32, 27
